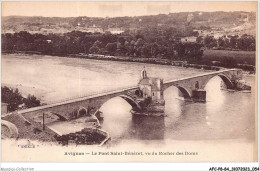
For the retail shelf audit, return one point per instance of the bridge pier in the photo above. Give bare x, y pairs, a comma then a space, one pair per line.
199, 95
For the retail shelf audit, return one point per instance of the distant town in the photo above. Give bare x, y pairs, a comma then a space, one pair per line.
202, 23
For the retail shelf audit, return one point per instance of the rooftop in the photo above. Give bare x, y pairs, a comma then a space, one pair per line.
145, 81
151, 82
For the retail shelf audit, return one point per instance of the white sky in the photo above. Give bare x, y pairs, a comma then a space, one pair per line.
113, 9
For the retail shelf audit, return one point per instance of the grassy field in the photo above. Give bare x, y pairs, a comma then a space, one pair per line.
235, 57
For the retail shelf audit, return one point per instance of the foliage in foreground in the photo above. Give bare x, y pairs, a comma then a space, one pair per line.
14, 99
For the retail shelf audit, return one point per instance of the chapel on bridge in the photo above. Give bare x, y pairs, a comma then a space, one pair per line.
151, 87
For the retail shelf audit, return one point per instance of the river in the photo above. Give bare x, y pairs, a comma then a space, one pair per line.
225, 115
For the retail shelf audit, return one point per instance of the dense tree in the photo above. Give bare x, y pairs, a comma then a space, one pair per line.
31, 101
148, 42
111, 48
223, 42
210, 41
96, 47
199, 40
246, 42
12, 97
189, 51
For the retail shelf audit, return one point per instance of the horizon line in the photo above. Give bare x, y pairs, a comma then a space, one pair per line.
127, 15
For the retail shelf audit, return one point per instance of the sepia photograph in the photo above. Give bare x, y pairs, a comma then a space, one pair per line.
128, 81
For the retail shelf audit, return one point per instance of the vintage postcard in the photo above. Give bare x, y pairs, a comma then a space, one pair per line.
129, 81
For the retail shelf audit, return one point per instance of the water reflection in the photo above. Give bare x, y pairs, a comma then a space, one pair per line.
117, 117
119, 122
147, 127
215, 95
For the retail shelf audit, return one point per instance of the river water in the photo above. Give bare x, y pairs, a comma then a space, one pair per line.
225, 115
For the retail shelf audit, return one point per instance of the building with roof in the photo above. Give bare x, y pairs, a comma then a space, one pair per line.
115, 30
94, 29
151, 87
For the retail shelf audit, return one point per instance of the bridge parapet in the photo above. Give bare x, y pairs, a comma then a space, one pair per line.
188, 85
69, 109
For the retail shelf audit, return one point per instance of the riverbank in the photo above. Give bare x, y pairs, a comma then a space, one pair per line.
29, 129
18, 127
206, 63
157, 61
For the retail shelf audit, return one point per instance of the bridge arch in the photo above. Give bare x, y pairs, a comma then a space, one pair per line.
135, 106
61, 117
131, 101
224, 78
82, 112
182, 91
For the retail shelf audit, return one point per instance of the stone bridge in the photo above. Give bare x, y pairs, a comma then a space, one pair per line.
78, 107
75, 108
188, 85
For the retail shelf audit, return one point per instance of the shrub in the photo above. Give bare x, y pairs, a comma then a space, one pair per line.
31, 101
12, 97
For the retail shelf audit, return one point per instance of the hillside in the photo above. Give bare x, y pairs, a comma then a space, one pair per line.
228, 21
